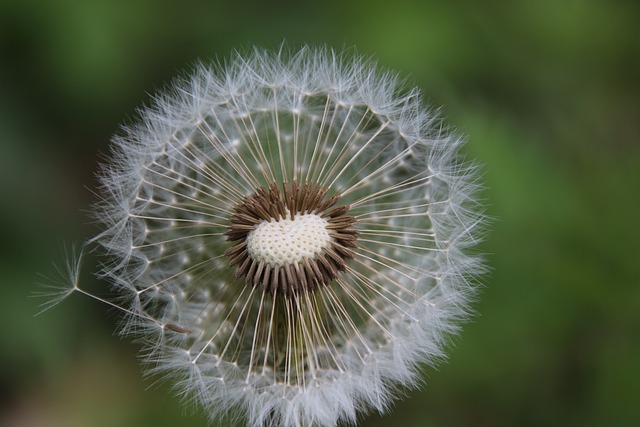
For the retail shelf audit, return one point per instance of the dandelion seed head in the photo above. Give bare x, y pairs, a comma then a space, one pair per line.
290, 235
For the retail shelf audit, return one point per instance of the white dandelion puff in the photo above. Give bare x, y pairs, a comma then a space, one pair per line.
290, 235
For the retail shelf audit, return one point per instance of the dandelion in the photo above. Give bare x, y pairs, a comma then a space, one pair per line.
289, 235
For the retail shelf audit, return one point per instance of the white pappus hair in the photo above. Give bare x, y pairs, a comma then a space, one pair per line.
361, 268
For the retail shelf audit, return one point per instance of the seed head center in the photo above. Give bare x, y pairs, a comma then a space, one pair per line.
292, 239
288, 241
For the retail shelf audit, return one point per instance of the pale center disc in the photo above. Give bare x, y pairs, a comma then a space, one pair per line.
288, 241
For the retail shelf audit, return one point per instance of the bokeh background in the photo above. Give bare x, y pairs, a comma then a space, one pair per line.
548, 93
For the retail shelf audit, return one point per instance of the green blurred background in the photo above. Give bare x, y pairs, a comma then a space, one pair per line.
548, 92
